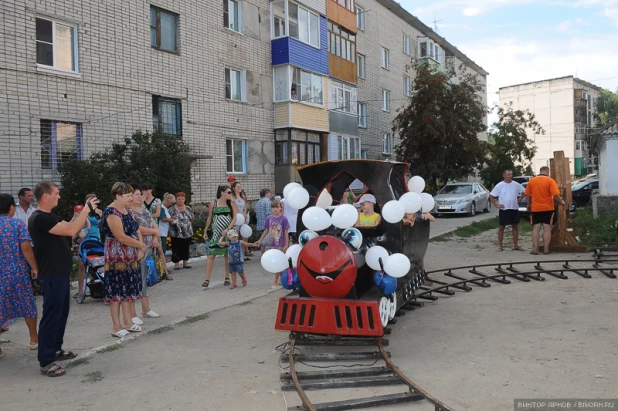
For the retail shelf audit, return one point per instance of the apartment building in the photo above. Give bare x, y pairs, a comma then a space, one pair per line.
564, 107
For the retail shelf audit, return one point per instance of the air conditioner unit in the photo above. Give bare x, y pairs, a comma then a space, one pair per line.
584, 95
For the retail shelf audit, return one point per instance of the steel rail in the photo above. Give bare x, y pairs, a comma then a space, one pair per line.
517, 263
299, 389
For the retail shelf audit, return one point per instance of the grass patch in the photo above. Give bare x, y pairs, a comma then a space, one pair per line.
110, 348
468, 231
78, 362
592, 231
193, 319
162, 330
94, 376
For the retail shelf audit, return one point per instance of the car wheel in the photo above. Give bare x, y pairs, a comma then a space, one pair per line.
488, 208
572, 206
472, 212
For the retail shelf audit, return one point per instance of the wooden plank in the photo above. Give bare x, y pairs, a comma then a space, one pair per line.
340, 373
376, 401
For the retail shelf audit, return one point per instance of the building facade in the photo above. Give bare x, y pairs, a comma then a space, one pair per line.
564, 107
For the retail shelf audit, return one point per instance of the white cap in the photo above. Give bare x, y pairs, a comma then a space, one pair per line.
367, 197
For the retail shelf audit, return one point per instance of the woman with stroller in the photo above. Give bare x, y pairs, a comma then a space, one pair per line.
123, 251
150, 237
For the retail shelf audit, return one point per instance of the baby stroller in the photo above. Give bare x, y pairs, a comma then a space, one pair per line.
91, 253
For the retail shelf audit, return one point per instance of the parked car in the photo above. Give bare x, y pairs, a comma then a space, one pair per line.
522, 179
582, 192
523, 209
461, 198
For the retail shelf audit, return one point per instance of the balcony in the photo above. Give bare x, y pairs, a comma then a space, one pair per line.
341, 15
342, 69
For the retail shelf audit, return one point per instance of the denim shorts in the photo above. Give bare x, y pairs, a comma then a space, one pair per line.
237, 268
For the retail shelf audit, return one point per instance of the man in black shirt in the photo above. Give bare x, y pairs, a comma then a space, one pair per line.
52, 252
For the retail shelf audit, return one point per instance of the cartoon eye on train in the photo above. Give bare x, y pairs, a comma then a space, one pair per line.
351, 280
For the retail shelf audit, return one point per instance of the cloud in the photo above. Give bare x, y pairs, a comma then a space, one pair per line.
471, 11
612, 14
564, 27
470, 8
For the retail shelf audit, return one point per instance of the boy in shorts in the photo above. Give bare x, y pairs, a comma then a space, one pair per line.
236, 260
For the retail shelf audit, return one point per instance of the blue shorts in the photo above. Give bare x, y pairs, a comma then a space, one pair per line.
237, 267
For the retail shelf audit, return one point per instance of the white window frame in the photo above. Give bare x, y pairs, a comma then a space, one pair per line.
54, 142
406, 86
433, 50
344, 98
362, 114
406, 44
387, 144
245, 155
360, 18
360, 61
74, 46
241, 88
386, 100
230, 25
385, 53
289, 84
346, 145
287, 23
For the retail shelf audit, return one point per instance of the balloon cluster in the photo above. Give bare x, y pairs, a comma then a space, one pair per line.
385, 282
388, 268
245, 229
411, 202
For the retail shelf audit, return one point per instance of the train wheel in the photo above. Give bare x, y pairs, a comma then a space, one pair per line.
385, 308
393, 308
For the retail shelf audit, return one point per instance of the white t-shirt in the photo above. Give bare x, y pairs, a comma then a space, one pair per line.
507, 194
164, 227
291, 214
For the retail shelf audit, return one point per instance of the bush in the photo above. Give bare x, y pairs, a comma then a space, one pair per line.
592, 230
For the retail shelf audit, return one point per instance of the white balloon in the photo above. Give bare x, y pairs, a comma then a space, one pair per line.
397, 265
416, 184
428, 202
393, 211
298, 198
274, 261
411, 201
288, 189
316, 219
373, 255
293, 253
345, 216
360, 260
245, 231
240, 219
325, 200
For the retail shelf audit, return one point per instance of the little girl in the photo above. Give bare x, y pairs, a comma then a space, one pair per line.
235, 256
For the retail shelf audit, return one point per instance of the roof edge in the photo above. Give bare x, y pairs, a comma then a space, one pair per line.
575, 79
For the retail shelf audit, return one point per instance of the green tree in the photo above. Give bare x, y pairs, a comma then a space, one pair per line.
160, 159
606, 109
509, 147
439, 127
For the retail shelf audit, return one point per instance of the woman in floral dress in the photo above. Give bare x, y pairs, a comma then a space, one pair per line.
181, 231
17, 266
222, 215
123, 251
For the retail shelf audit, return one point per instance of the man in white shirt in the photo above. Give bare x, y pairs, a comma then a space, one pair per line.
508, 193
24, 208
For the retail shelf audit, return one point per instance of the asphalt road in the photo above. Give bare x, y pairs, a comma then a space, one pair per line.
448, 223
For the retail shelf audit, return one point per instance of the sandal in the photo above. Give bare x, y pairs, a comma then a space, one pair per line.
206, 283
233, 286
53, 370
120, 334
187, 266
65, 355
176, 268
534, 252
134, 328
244, 282
518, 249
226, 282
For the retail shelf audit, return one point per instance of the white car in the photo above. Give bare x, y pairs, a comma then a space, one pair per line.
461, 198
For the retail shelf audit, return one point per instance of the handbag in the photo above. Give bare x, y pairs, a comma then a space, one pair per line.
161, 268
152, 277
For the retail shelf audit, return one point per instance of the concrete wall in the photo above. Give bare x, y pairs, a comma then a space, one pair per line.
608, 167
119, 72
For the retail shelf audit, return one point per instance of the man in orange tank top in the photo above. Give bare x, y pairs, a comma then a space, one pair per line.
544, 191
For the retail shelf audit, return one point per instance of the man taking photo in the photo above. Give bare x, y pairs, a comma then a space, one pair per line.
55, 261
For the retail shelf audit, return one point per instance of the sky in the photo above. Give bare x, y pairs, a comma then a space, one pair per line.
520, 41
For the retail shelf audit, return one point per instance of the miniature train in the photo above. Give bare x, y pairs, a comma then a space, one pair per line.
337, 294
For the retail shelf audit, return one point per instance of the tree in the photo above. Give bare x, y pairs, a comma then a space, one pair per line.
440, 125
160, 159
606, 109
509, 147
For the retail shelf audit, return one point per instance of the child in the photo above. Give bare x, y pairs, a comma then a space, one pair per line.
235, 257
84, 231
410, 218
276, 227
367, 217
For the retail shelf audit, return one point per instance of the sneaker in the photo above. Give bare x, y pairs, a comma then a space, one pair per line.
137, 320
152, 314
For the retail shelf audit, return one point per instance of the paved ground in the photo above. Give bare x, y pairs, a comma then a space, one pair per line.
476, 351
448, 223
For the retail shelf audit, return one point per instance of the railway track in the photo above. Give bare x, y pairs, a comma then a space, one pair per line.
397, 388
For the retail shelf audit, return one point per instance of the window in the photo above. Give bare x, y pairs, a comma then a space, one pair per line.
387, 144
360, 60
362, 115
406, 44
385, 58
360, 18
386, 100
348, 4
308, 86
232, 15
56, 45
163, 29
235, 81
167, 115
297, 21
297, 147
364, 154
581, 145
60, 142
348, 147
341, 42
236, 155
406, 86
343, 97
429, 49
